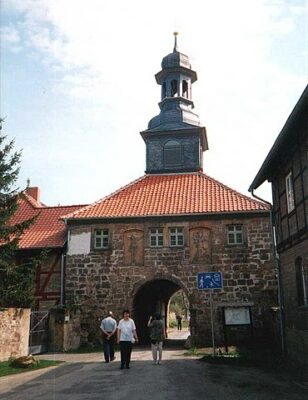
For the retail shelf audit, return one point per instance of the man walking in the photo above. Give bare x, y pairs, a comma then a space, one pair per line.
109, 327
179, 320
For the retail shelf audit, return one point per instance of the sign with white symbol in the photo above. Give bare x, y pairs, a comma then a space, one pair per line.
209, 280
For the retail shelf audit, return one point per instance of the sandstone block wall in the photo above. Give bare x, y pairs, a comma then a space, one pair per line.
14, 332
109, 279
64, 330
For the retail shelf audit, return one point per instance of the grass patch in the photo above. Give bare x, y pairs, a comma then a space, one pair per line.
194, 351
6, 369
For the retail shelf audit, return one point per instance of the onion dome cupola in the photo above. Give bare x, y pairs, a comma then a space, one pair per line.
175, 140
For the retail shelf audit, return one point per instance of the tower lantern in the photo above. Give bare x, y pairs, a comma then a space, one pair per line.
175, 140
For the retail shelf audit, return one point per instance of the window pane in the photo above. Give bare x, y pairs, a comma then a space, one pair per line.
239, 238
160, 241
101, 238
180, 240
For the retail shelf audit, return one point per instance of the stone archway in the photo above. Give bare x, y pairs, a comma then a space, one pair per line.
151, 297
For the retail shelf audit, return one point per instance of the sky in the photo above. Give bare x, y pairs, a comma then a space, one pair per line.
77, 85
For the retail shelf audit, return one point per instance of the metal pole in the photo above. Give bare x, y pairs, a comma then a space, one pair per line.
212, 323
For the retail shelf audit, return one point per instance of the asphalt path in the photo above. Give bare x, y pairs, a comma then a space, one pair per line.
86, 376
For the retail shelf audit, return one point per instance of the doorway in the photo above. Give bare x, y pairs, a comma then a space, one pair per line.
152, 297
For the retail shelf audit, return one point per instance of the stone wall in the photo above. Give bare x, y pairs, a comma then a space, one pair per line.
14, 332
109, 280
64, 330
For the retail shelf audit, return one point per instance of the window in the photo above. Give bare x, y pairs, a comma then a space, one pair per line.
163, 90
101, 239
301, 282
174, 88
290, 192
156, 237
185, 89
172, 154
235, 234
176, 237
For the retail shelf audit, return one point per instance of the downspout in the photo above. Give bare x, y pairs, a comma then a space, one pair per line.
62, 271
62, 279
279, 277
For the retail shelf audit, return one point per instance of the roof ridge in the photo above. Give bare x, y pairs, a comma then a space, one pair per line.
61, 206
105, 197
34, 203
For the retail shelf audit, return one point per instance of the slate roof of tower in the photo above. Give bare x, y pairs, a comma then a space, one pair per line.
170, 195
48, 229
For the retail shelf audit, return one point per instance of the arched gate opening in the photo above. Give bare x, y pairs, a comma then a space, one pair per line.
152, 297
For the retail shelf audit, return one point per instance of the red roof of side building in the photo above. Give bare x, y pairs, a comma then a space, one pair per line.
48, 230
170, 194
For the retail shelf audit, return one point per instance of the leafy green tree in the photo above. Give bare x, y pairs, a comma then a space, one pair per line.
179, 304
16, 279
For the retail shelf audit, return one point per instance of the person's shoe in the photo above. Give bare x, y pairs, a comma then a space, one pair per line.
106, 361
127, 367
112, 359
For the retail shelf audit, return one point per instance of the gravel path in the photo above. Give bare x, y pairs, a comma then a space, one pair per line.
85, 376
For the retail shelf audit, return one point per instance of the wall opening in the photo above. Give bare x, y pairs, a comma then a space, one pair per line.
153, 297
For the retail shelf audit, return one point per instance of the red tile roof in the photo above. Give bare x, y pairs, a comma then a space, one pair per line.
170, 194
48, 229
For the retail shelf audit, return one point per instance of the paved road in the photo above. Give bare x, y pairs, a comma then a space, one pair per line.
85, 376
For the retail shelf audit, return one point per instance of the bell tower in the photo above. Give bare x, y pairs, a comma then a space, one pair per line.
175, 140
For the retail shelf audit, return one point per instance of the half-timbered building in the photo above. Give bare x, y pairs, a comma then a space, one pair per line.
286, 167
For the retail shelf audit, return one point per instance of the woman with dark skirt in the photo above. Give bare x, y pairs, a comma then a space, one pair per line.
127, 335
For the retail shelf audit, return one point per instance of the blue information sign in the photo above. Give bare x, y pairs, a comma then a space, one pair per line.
209, 280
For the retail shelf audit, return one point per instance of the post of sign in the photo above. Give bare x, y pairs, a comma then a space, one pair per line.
210, 281
212, 324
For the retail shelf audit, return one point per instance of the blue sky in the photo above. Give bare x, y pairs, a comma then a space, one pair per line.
77, 85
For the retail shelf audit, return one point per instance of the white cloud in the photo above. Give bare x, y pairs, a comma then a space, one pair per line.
9, 34
103, 56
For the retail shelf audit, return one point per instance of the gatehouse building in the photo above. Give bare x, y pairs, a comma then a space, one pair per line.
139, 245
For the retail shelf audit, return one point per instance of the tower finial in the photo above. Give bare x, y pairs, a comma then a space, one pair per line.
28, 182
175, 41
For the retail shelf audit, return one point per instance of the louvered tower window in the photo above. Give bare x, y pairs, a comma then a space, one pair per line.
172, 154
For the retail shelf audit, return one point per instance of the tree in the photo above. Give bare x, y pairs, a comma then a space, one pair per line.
16, 279
179, 303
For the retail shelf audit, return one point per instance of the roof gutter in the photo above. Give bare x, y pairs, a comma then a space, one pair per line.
279, 277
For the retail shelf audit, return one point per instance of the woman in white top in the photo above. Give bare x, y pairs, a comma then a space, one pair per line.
127, 335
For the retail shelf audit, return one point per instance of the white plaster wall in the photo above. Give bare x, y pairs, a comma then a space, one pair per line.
79, 243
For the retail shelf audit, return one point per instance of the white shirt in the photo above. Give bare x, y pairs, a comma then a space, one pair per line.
127, 328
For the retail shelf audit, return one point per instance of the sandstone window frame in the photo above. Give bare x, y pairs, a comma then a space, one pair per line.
235, 235
301, 282
156, 237
176, 236
103, 237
